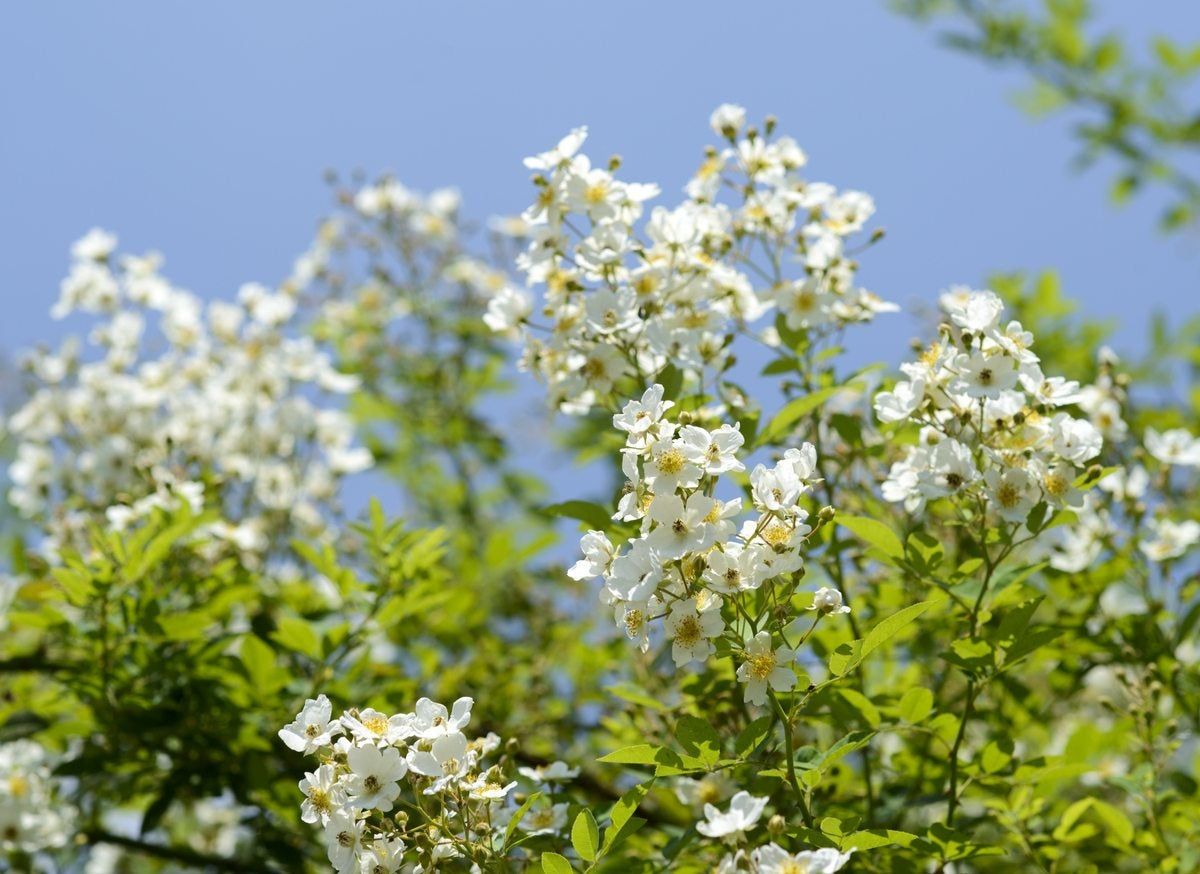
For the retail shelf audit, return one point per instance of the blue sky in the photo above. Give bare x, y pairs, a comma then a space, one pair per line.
202, 130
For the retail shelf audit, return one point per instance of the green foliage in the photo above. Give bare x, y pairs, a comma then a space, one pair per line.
1134, 109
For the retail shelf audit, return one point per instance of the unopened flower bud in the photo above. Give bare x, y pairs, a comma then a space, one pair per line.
826, 514
776, 825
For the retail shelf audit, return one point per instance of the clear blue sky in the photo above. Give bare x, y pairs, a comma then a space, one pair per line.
202, 130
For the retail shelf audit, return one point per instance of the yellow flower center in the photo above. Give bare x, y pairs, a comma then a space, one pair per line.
777, 535
376, 723
1056, 484
687, 632
761, 664
671, 461
1008, 495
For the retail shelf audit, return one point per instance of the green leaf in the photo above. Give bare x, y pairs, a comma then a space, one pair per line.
870, 840
1118, 825
635, 695
862, 704
637, 754
518, 815
299, 636
849, 655
622, 812
915, 705
874, 533
752, 735
585, 511
993, 758
553, 863
793, 411
1028, 642
259, 661
699, 739
585, 836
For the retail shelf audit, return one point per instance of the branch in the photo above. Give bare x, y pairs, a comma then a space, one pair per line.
183, 855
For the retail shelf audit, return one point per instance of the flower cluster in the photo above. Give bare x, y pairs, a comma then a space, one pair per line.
992, 423
745, 811
691, 555
624, 298
394, 790
211, 406
406, 235
32, 815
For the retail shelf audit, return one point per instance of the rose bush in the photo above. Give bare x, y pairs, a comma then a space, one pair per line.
932, 615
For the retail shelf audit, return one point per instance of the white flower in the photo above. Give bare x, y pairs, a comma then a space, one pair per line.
635, 574
597, 556
984, 376
446, 760
96, 245
1165, 539
564, 151
727, 120
743, 814
1076, 440
773, 859
311, 730
691, 632
828, 601
764, 667
323, 794
714, 452
544, 819
383, 856
432, 720
735, 569
682, 527
977, 311
951, 469
555, 772
375, 775
670, 466
507, 310
1176, 446
371, 726
1012, 493
343, 840
901, 402
640, 418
